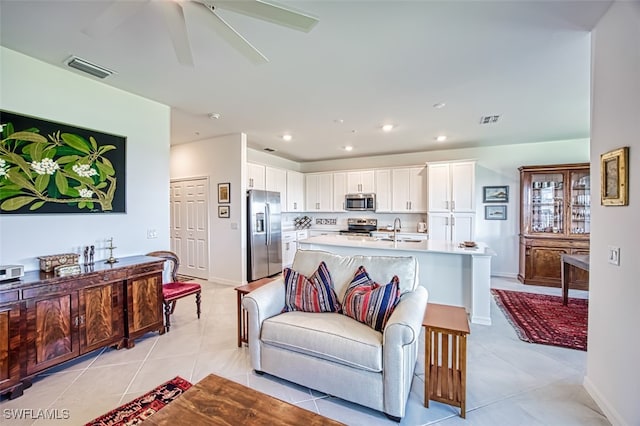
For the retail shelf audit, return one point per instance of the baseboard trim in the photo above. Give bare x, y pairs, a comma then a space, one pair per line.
505, 275
612, 415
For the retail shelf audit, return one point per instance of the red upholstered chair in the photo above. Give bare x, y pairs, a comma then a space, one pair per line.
175, 290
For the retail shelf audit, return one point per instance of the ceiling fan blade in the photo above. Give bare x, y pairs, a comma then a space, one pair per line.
232, 37
277, 14
114, 15
177, 26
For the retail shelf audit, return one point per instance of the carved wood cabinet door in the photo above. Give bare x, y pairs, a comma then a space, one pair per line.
9, 345
101, 319
52, 330
144, 305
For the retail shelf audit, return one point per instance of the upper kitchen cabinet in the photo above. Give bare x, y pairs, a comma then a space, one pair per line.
360, 181
451, 187
319, 192
276, 181
339, 190
383, 190
409, 187
255, 176
555, 219
295, 192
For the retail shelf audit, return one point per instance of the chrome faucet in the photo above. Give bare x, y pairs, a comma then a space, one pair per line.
396, 228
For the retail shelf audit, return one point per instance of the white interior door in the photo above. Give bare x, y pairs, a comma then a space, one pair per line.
189, 202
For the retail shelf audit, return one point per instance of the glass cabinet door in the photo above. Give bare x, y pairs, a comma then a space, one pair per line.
547, 201
580, 209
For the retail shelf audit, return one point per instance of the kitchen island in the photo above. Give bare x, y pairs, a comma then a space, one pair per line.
452, 274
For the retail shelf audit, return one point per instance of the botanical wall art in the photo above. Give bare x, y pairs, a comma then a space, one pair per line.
49, 167
614, 169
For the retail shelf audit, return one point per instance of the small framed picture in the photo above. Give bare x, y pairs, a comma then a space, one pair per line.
223, 211
614, 170
224, 195
495, 212
495, 194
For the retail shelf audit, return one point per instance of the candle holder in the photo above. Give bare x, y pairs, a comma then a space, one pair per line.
111, 259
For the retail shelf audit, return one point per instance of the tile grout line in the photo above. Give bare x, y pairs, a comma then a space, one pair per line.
137, 371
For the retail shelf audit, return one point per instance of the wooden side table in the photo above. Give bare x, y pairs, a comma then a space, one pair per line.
579, 261
445, 355
243, 316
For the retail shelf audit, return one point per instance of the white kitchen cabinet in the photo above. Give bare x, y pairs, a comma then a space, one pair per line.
318, 232
255, 176
455, 227
289, 247
383, 190
295, 191
360, 181
409, 186
276, 181
319, 192
451, 187
339, 190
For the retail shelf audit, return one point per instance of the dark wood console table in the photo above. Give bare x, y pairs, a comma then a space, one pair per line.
46, 320
579, 261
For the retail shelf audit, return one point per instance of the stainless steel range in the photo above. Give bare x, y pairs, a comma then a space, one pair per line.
360, 226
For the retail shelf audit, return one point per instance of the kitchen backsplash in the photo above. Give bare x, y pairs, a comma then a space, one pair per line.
337, 221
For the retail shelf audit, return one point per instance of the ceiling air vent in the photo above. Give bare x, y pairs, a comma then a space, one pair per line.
269, 150
489, 119
86, 66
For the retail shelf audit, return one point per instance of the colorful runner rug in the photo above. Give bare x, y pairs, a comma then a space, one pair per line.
540, 318
134, 412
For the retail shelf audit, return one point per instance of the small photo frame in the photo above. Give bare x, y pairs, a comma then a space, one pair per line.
223, 211
224, 193
495, 194
495, 212
614, 179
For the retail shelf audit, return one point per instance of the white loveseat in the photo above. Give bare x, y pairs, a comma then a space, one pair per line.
333, 353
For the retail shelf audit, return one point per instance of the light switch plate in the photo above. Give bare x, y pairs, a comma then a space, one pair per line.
614, 255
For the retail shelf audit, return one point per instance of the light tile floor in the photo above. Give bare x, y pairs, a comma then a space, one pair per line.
509, 382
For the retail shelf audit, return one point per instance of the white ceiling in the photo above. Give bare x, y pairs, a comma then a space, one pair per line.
365, 62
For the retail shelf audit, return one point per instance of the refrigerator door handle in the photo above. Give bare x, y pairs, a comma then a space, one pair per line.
268, 218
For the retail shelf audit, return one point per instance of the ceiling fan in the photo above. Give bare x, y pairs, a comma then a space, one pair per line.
173, 10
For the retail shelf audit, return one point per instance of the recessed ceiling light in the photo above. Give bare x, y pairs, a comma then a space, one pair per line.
441, 138
387, 127
348, 148
287, 137
439, 105
338, 121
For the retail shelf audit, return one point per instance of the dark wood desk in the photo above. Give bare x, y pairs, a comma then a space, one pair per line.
579, 261
217, 401
445, 355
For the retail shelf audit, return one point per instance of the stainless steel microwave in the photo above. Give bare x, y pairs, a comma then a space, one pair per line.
360, 202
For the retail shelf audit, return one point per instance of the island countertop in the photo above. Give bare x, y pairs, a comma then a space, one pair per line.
410, 245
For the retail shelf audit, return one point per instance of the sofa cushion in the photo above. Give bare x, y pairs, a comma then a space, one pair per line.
310, 294
330, 336
369, 302
343, 267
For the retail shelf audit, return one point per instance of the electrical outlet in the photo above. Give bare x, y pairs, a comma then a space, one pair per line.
151, 234
614, 255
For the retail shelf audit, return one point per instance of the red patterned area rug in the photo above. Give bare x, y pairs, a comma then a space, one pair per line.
540, 318
134, 412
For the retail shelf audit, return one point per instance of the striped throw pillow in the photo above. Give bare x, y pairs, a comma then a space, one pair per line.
369, 302
310, 294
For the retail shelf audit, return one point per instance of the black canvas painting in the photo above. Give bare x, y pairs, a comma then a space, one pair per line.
49, 167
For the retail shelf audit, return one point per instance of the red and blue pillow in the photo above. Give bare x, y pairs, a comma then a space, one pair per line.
369, 302
310, 294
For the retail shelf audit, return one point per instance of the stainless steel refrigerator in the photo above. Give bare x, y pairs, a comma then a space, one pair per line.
264, 234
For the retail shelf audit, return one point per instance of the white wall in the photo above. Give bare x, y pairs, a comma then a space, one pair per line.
496, 165
221, 160
34, 88
613, 377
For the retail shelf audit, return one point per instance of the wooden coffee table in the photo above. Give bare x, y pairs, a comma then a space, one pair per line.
217, 401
